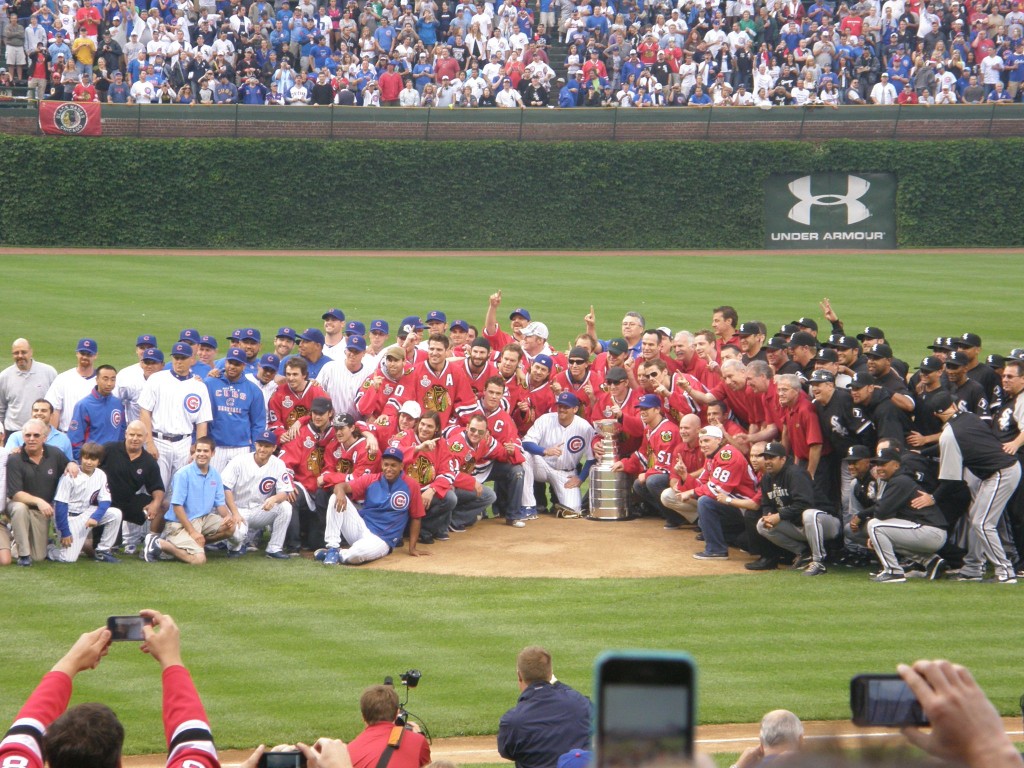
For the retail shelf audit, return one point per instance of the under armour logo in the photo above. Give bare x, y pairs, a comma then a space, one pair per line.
856, 211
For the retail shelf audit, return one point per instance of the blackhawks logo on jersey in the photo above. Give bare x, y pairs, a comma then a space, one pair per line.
422, 471
344, 465
295, 414
315, 460
436, 399
726, 454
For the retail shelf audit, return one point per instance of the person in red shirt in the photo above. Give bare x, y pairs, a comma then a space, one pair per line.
653, 461
478, 366
579, 379
726, 479
391, 381
292, 401
801, 430
408, 749
538, 398
305, 456
687, 463
84, 90
390, 86
648, 50
441, 385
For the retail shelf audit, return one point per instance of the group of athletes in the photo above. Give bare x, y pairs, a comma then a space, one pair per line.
799, 447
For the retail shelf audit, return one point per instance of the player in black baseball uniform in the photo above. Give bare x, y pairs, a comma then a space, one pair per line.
968, 394
970, 345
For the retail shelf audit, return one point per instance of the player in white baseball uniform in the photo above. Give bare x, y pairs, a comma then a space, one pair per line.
72, 385
172, 405
555, 444
129, 388
81, 503
341, 379
258, 487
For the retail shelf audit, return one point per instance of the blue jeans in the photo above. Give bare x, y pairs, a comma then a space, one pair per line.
714, 518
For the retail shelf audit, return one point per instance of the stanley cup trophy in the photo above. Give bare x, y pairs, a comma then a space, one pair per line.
608, 491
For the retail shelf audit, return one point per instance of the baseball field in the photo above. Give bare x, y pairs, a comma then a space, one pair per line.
281, 650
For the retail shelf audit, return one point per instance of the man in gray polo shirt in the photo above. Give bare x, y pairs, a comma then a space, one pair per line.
21, 385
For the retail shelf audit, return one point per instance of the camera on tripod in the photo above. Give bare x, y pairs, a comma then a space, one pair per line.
410, 679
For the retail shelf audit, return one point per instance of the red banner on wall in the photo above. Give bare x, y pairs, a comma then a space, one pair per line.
70, 118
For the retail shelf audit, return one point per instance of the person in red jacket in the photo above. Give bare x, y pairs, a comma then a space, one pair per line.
91, 734
652, 463
408, 749
390, 86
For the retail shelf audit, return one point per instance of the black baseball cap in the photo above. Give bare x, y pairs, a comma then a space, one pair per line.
777, 343
885, 455
802, 339
821, 376
838, 341
879, 350
857, 453
826, 355
940, 401
956, 360
861, 380
805, 322
748, 329
871, 332
968, 340
775, 449
942, 343
931, 364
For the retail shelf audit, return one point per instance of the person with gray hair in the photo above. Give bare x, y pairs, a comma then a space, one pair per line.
781, 733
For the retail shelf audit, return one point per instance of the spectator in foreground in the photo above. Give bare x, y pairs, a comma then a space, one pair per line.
379, 707
782, 733
549, 719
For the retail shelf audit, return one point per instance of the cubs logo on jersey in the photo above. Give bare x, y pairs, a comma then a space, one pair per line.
193, 403
575, 444
115, 418
267, 486
400, 500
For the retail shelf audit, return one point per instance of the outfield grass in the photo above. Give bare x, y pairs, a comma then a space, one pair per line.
282, 650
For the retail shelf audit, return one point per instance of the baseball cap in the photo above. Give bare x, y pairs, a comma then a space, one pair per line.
544, 360
320, 405
342, 420
940, 401
617, 347
861, 380
409, 324
775, 449
236, 355
648, 401
857, 453
379, 326
146, 340
802, 339
579, 353
251, 334
87, 346
356, 342
885, 455
567, 399
879, 350
394, 352
931, 364
664, 331
995, 361
392, 453
842, 342
411, 408
968, 340
942, 343
616, 374
776, 343
181, 349
536, 329
871, 332
312, 334
284, 332
822, 376
235, 335
806, 322
208, 341
577, 758
153, 354
748, 329
826, 355
270, 361
191, 335
334, 313
461, 324
436, 316
480, 341
711, 431
355, 328
266, 436
956, 360
788, 330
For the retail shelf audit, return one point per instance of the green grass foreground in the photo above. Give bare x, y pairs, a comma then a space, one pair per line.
281, 651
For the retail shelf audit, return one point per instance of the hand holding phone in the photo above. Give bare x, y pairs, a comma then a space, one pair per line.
884, 700
127, 628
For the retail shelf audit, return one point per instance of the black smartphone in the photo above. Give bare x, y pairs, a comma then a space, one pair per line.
645, 707
123, 628
884, 700
290, 759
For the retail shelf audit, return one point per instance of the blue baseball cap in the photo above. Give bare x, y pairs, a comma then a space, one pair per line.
409, 324
393, 453
153, 354
436, 316
208, 341
181, 349
459, 324
355, 328
270, 361
87, 347
567, 399
266, 436
146, 340
235, 335
312, 334
191, 335
284, 332
544, 360
236, 355
521, 311
649, 401
252, 334
336, 313
379, 326
356, 342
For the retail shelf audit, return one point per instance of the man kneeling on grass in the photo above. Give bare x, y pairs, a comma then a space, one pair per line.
198, 514
391, 501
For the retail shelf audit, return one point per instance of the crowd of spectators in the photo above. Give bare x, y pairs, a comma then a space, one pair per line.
795, 446
635, 53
